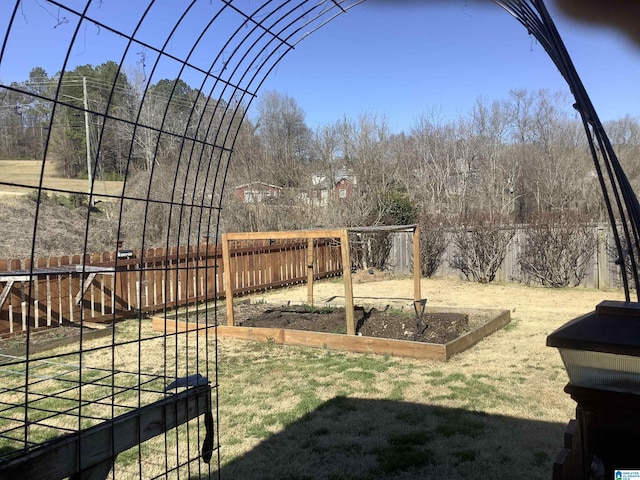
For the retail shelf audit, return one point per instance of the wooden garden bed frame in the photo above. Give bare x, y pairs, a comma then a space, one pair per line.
349, 342
352, 343
310, 235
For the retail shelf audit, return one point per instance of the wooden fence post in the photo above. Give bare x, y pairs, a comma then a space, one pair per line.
310, 271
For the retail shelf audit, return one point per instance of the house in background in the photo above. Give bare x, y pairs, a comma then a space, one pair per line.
340, 187
256, 192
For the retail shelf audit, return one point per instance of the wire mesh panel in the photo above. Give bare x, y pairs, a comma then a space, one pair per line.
123, 116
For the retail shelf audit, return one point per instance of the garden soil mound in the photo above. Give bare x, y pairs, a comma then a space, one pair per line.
373, 322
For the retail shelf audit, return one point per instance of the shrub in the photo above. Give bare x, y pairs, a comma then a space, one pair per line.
397, 208
33, 196
433, 243
74, 200
630, 256
372, 249
557, 250
481, 246
78, 200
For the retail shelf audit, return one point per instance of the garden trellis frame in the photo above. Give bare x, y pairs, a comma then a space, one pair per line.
342, 236
232, 46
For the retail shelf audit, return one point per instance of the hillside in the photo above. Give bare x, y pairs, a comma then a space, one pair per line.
60, 229
61, 219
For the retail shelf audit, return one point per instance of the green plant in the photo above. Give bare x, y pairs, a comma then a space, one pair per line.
512, 325
465, 455
399, 386
33, 195
62, 200
397, 208
306, 308
458, 423
360, 375
540, 458
77, 200
346, 476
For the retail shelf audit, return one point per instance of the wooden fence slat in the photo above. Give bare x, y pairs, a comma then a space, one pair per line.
4, 323
25, 294
13, 299
40, 296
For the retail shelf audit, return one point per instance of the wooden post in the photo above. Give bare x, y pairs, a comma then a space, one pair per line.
348, 283
417, 294
226, 268
23, 310
602, 260
310, 271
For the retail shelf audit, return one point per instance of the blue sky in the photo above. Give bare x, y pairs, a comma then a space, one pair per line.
405, 62
380, 58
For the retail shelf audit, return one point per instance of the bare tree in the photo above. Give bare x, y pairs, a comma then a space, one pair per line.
365, 147
436, 171
625, 136
556, 165
495, 173
285, 137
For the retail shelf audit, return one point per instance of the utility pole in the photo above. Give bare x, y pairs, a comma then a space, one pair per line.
87, 138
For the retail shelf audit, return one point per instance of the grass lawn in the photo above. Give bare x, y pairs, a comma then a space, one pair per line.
27, 172
495, 411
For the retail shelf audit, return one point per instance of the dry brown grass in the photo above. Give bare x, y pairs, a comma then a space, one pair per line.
60, 230
27, 172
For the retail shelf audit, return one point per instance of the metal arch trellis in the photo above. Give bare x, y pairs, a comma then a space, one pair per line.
52, 404
620, 200
71, 414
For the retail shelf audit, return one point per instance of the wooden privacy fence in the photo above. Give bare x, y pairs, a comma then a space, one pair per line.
108, 286
602, 270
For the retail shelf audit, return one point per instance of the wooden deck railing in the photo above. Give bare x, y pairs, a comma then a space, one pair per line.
59, 290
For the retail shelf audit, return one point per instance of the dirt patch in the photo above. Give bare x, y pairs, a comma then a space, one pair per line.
39, 335
45, 338
441, 327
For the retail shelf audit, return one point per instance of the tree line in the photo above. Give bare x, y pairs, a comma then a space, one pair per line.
129, 126
522, 159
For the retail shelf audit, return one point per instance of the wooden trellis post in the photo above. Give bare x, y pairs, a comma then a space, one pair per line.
417, 293
310, 236
310, 271
348, 282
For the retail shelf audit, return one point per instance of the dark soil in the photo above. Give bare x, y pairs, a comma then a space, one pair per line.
387, 323
41, 337
390, 323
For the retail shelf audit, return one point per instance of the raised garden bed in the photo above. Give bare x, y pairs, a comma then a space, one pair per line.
442, 333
